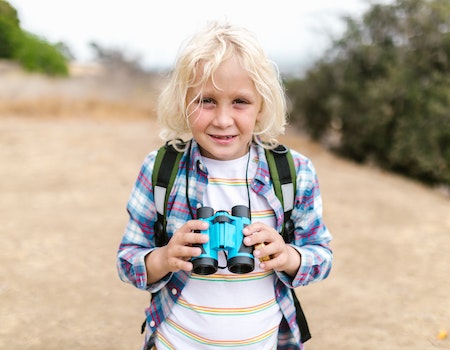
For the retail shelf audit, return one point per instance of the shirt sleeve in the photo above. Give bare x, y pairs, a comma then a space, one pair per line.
138, 239
311, 236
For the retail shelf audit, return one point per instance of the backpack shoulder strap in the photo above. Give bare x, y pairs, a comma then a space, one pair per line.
284, 179
164, 173
283, 174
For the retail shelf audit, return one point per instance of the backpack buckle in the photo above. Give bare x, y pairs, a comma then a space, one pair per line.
280, 149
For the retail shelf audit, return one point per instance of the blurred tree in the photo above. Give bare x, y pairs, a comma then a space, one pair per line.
9, 29
32, 52
115, 60
37, 55
384, 89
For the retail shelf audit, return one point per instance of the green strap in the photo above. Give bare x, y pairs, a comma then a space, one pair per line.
165, 170
283, 174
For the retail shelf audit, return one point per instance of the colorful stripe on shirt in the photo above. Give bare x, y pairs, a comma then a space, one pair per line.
216, 342
233, 311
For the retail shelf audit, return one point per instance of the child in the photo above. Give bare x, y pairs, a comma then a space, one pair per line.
225, 98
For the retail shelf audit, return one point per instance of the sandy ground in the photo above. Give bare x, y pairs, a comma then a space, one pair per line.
64, 183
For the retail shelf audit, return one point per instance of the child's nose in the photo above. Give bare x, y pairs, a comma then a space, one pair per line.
224, 117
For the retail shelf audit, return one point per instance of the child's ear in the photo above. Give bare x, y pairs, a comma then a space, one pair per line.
261, 110
259, 117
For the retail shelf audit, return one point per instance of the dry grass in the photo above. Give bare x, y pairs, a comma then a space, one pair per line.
91, 92
60, 107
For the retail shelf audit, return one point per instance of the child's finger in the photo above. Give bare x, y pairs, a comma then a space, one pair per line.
262, 258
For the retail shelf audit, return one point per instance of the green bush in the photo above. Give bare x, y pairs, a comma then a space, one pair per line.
34, 53
37, 55
384, 90
9, 30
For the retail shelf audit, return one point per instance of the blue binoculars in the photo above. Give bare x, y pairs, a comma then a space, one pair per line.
225, 233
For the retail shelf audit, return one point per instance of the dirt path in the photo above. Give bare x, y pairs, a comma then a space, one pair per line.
64, 184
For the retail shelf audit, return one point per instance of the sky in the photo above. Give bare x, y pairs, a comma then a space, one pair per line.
292, 32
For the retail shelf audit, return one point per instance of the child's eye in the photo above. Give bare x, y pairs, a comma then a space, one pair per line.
240, 101
206, 100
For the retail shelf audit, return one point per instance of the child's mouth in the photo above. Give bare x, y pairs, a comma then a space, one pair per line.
224, 137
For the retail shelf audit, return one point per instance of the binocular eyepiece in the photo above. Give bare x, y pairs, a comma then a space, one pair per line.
225, 233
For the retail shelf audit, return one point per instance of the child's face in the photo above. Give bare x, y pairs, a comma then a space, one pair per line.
222, 122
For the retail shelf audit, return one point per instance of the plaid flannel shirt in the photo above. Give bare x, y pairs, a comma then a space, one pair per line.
311, 235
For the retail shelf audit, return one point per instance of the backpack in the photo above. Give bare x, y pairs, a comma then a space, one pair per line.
282, 173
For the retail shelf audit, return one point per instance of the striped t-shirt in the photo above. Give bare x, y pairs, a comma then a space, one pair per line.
227, 310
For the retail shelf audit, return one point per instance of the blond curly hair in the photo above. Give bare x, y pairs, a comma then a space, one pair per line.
199, 58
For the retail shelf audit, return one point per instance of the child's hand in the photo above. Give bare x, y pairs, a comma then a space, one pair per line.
180, 248
271, 249
176, 254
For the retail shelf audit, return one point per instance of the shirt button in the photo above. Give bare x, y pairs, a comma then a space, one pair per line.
152, 324
174, 291
266, 178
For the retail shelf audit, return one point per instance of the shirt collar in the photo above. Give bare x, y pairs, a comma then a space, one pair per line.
196, 158
262, 172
